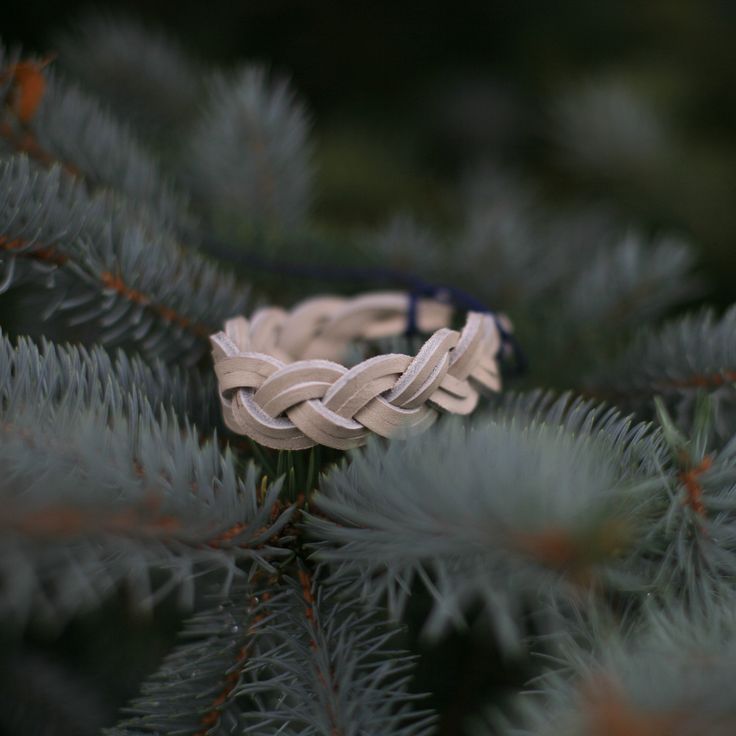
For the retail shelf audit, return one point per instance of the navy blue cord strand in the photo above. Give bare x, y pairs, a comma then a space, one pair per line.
417, 288
411, 313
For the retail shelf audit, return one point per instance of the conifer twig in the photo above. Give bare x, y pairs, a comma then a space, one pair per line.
136, 285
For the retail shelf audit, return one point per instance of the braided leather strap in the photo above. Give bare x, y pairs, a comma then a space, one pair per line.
281, 385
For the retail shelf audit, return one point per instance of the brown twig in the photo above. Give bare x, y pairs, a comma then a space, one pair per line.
306, 582
64, 521
608, 713
571, 553
690, 479
144, 518
116, 283
27, 87
20, 248
212, 716
51, 254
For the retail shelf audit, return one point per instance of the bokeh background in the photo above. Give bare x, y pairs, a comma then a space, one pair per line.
630, 106
406, 96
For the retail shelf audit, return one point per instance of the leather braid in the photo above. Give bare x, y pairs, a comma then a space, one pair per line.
281, 385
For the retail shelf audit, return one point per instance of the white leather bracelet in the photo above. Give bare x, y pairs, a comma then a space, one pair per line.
282, 385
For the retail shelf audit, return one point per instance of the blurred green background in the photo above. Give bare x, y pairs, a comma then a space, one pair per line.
627, 103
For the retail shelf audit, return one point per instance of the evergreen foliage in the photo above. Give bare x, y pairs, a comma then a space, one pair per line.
667, 673
591, 542
73, 130
302, 661
468, 511
679, 361
542, 267
249, 153
100, 264
99, 487
143, 75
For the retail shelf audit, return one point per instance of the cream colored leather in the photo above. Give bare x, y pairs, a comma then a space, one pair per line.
282, 385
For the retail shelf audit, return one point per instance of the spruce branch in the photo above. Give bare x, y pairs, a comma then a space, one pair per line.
630, 282
689, 353
521, 250
143, 74
249, 154
671, 672
641, 446
513, 252
509, 250
99, 265
326, 667
691, 547
70, 129
687, 541
465, 510
51, 371
281, 656
194, 690
99, 489
686, 357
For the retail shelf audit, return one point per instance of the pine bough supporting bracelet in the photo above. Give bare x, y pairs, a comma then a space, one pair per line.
281, 385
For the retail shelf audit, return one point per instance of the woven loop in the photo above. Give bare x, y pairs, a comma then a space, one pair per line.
282, 385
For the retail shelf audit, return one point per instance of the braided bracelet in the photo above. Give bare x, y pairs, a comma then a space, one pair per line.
281, 384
